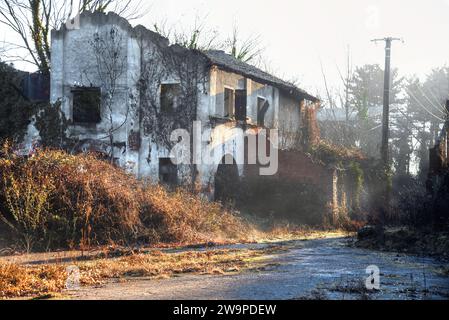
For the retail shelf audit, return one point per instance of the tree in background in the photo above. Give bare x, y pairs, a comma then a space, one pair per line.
424, 107
33, 20
339, 129
198, 37
244, 49
359, 98
367, 98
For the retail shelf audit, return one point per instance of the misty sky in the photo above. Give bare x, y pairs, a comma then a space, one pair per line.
298, 34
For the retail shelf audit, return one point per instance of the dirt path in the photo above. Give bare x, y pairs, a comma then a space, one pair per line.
316, 269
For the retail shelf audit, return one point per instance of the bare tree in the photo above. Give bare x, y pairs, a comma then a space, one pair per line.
341, 130
33, 20
110, 58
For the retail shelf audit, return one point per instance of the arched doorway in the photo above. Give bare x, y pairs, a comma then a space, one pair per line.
226, 179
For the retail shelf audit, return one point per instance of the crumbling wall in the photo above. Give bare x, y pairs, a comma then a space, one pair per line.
141, 132
226, 138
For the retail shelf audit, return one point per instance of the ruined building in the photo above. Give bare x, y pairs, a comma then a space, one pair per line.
131, 85
124, 90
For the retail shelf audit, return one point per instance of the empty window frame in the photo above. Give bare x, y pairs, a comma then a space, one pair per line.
168, 172
86, 105
262, 108
229, 103
170, 93
240, 105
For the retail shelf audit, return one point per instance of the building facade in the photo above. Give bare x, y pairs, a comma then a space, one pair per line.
124, 90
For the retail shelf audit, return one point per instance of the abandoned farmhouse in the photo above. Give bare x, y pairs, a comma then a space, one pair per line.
123, 90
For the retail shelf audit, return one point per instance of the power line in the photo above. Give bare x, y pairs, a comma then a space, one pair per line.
428, 99
422, 106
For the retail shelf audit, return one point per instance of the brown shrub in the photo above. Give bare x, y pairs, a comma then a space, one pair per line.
53, 199
181, 216
56, 199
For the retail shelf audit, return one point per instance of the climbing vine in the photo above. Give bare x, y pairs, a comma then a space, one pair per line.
52, 125
187, 68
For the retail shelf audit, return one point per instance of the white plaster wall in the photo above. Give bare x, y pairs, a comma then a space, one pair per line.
70, 69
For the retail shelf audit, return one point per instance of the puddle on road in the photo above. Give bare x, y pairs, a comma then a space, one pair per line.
339, 272
330, 269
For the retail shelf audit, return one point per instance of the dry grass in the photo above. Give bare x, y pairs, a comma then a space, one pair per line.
18, 281
284, 233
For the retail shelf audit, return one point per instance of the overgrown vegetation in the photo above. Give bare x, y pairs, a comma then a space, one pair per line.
417, 221
15, 110
56, 200
52, 125
329, 153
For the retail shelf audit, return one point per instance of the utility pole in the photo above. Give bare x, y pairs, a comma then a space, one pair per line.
386, 102
385, 206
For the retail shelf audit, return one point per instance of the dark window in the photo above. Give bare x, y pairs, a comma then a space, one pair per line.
169, 97
86, 105
240, 105
229, 103
36, 87
168, 172
227, 180
262, 108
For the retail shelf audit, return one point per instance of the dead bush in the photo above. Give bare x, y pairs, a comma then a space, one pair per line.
27, 198
56, 200
181, 216
60, 200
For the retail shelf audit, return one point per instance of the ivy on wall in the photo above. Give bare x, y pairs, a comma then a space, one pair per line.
52, 125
